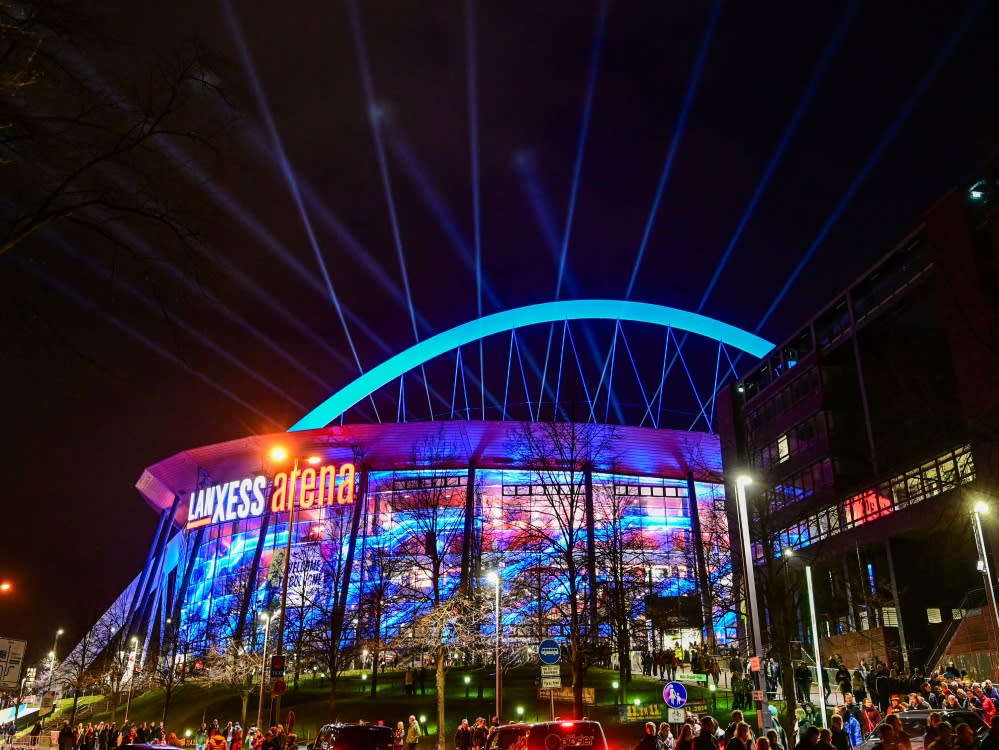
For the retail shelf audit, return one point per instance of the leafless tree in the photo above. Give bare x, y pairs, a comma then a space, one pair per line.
93, 150
559, 455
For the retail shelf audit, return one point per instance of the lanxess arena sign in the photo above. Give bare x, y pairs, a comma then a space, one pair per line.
310, 487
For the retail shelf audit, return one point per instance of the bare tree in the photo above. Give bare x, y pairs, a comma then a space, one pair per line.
78, 147
560, 457
431, 504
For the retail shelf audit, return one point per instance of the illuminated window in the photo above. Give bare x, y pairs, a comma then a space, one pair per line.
782, 450
933, 616
889, 617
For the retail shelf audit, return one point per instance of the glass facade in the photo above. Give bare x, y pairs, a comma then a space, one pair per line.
522, 526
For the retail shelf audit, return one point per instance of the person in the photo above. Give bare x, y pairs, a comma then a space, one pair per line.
901, 736
66, 740
423, 680
463, 736
685, 740
886, 738
236, 738
803, 682
666, 739
407, 680
762, 744
964, 737
216, 740
809, 738
706, 739
201, 737
825, 739
944, 740
870, 717
991, 740
480, 733
35, 732
851, 724
741, 738
413, 734
399, 735
774, 741
291, 742
737, 716
648, 741
932, 728
838, 736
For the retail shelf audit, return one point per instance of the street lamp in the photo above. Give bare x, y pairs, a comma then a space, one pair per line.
494, 578
279, 454
263, 666
52, 657
131, 675
815, 641
981, 507
741, 483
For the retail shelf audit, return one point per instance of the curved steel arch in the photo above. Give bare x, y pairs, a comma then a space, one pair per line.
508, 320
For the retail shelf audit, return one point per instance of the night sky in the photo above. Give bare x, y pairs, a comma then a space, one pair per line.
880, 109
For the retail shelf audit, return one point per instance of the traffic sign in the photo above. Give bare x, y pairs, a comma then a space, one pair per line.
279, 687
675, 694
551, 683
550, 670
549, 652
277, 666
675, 715
754, 663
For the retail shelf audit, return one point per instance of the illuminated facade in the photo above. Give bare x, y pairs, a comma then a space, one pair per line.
224, 562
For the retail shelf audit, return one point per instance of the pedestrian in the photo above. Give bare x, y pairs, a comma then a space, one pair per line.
399, 735
413, 734
216, 740
648, 741
741, 738
407, 681
706, 739
685, 740
463, 736
665, 736
201, 737
965, 738
480, 733
838, 736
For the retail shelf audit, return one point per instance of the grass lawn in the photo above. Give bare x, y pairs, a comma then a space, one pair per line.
191, 702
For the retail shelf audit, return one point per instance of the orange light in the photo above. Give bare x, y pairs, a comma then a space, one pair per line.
278, 453
6, 586
313, 460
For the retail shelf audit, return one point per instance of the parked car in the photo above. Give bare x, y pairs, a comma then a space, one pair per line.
915, 720
549, 735
353, 737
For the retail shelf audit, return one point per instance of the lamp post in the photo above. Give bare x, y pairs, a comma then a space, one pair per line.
279, 454
495, 578
263, 667
815, 642
131, 675
741, 483
981, 507
52, 658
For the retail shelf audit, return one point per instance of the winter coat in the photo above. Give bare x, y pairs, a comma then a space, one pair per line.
216, 741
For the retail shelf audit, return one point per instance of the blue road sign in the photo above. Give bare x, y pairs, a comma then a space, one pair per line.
549, 652
675, 695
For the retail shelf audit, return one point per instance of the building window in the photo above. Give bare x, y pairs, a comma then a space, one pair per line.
889, 617
782, 452
933, 616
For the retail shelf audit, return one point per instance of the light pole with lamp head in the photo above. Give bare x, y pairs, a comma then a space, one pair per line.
263, 666
52, 658
979, 508
494, 577
131, 676
741, 482
278, 454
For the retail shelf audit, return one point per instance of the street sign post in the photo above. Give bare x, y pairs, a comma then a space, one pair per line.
550, 670
674, 695
550, 653
675, 715
277, 666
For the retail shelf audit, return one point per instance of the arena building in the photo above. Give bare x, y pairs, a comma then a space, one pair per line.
372, 525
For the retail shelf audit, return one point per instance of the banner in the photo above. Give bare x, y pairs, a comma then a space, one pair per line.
11, 660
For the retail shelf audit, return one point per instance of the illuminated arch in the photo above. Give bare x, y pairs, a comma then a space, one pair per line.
520, 317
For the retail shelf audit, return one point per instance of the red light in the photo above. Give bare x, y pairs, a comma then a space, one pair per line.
567, 725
